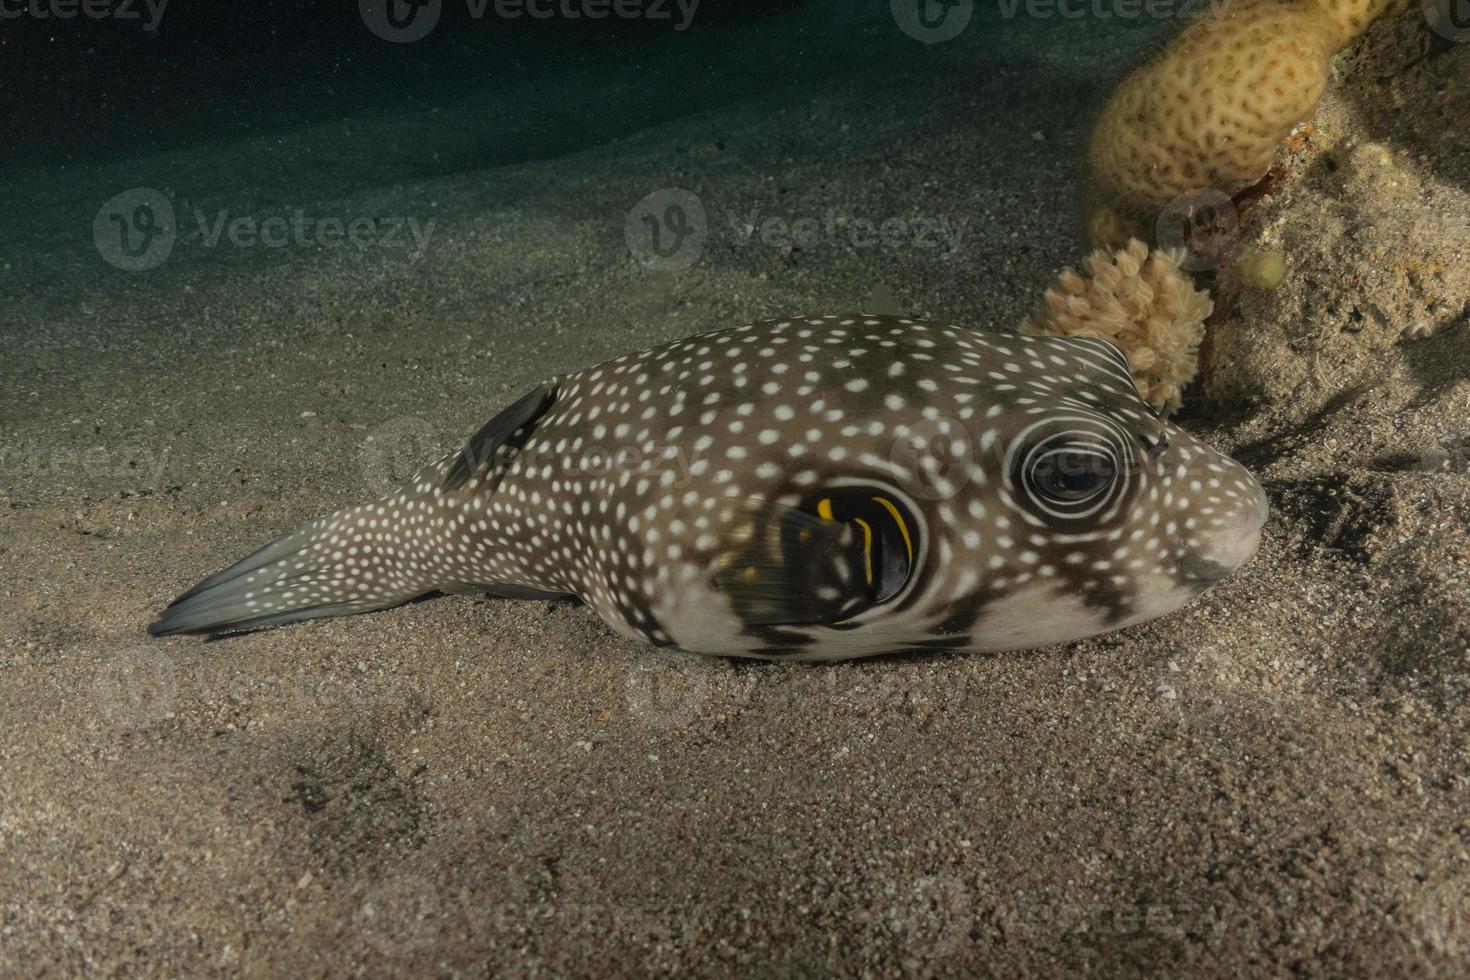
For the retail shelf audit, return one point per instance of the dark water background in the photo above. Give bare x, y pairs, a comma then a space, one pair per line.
85, 87
272, 104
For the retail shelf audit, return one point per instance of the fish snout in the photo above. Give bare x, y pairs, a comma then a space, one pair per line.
1223, 550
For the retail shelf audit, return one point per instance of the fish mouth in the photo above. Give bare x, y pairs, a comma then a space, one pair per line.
1221, 562
1223, 554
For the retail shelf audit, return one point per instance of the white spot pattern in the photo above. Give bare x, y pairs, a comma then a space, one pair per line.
621, 492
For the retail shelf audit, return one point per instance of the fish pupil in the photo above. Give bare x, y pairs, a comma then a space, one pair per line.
1071, 475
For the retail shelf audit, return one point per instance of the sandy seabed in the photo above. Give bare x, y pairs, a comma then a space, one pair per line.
1271, 781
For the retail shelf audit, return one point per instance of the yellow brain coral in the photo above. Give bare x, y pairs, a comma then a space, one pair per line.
1210, 109
1353, 17
1142, 302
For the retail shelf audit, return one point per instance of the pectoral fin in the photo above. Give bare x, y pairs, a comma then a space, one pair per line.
838, 554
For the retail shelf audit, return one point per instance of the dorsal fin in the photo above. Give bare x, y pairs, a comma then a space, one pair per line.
497, 432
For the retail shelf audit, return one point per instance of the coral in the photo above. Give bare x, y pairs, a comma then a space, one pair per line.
1141, 301
1257, 268
1371, 315
1353, 17
1210, 109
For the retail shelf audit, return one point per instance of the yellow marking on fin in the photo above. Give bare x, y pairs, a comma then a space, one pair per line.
902, 527
824, 508
867, 548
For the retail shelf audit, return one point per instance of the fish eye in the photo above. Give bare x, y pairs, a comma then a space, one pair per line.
1068, 476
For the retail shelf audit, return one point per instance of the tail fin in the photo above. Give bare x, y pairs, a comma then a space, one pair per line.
358, 560
334, 566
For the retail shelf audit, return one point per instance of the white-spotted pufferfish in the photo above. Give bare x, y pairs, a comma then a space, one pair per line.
821, 488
